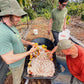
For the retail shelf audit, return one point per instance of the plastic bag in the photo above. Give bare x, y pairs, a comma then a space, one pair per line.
64, 34
35, 31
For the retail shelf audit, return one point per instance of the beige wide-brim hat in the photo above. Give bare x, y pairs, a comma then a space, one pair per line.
64, 44
11, 7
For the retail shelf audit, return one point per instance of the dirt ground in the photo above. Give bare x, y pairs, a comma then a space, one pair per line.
76, 28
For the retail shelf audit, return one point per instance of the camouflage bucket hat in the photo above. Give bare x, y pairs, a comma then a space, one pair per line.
11, 7
63, 44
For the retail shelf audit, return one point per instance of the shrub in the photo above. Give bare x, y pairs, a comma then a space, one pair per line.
46, 13
24, 19
82, 15
75, 8
31, 13
67, 19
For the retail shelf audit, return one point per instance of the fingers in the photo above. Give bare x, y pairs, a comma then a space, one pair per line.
33, 49
32, 43
50, 56
48, 32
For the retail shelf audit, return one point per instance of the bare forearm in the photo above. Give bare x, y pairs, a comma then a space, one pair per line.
25, 43
51, 54
11, 58
64, 27
17, 57
50, 24
54, 50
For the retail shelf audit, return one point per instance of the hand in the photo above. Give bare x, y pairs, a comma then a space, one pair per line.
51, 55
64, 28
48, 32
32, 44
33, 49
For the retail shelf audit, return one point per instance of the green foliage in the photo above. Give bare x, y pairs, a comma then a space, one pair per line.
46, 13
53, 3
24, 19
82, 15
67, 19
82, 1
75, 8
44, 4
27, 6
40, 7
25, 3
8, 73
31, 13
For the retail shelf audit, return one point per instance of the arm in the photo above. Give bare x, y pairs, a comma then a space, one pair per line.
51, 54
50, 24
64, 27
25, 43
11, 58
54, 49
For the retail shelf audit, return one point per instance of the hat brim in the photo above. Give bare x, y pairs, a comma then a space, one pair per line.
16, 12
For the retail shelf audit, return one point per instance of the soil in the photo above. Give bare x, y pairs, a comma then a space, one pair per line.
76, 27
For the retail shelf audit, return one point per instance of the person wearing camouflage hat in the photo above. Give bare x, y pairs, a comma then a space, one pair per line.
74, 58
11, 45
